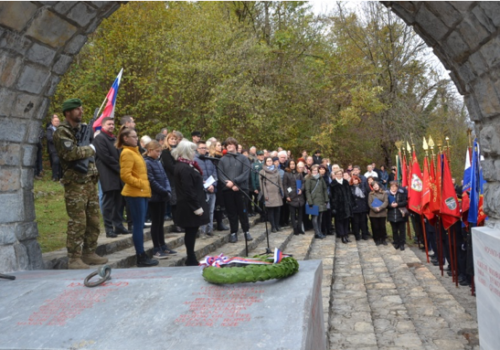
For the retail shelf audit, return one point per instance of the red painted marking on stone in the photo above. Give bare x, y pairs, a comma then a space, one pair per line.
218, 306
69, 304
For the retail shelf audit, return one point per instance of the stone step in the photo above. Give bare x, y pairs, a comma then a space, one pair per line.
218, 244
459, 319
324, 250
120, 246
127, 257
352, 318
418, 322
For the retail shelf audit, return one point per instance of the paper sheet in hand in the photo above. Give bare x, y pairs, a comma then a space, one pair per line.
210, 181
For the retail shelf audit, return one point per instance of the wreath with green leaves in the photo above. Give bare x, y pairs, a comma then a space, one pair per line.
288, 266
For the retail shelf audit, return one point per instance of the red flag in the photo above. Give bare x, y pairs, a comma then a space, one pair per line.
436, 190
450, 211
426, 191
415, 187
427, 211
481, 215
404, 177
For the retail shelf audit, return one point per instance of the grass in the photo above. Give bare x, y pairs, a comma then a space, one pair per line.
51, 216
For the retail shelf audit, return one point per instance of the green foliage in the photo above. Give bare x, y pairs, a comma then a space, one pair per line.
270, 74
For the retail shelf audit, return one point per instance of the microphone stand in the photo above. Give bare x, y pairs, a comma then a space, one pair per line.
268, 250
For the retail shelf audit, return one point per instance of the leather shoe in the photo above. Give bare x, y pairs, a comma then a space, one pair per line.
111, 234
248, 237
319, 236
402, 247
122, 231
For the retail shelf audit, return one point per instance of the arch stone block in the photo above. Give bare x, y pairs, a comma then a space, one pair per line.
39, 40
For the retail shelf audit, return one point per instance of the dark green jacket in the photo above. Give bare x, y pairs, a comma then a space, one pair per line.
316, 196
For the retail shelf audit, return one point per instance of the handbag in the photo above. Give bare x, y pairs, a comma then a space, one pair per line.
404, 211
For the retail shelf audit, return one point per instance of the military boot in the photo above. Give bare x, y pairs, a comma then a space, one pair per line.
77, 264
93, 259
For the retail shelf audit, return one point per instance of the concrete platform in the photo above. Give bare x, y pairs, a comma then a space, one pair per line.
161, 308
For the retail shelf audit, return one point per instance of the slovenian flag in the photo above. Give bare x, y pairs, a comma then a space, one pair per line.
476, 213
109, 109
467, 173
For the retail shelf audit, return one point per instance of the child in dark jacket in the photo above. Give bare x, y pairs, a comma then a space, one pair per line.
160, 193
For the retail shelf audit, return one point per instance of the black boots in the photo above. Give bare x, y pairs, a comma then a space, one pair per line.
143, 260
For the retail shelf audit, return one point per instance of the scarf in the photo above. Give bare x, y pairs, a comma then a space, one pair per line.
271, 167
339, 180
192, 163
108, 133
316, 176
358, 192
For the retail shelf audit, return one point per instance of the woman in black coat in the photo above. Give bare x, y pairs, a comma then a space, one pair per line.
398, 199
168, 163
294, 194
342, 203
192, 207
360, 209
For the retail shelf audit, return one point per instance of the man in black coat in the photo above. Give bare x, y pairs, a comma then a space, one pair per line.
234, 172
54, 158
108, 165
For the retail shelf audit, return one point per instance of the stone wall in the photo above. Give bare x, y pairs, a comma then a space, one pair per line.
38, 41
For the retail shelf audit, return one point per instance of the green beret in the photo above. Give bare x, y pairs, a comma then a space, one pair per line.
70, 104
260, 153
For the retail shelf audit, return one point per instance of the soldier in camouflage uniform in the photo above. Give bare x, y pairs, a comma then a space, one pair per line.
80, 190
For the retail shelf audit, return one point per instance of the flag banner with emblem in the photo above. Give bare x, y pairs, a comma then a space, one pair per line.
450, 210
109, 109
415, 187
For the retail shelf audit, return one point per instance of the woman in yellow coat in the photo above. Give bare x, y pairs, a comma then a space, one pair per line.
136, 191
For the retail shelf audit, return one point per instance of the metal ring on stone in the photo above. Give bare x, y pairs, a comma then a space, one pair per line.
89, 284
103, 270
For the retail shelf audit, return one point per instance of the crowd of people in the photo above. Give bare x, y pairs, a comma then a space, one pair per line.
197, 183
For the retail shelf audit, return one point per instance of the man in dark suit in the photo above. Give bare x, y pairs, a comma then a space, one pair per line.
108, 165
317, 157
54, 158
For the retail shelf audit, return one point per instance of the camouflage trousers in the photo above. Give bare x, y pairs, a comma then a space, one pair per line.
82, 206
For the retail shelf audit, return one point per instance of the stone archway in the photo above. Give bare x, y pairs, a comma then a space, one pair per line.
38, 41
